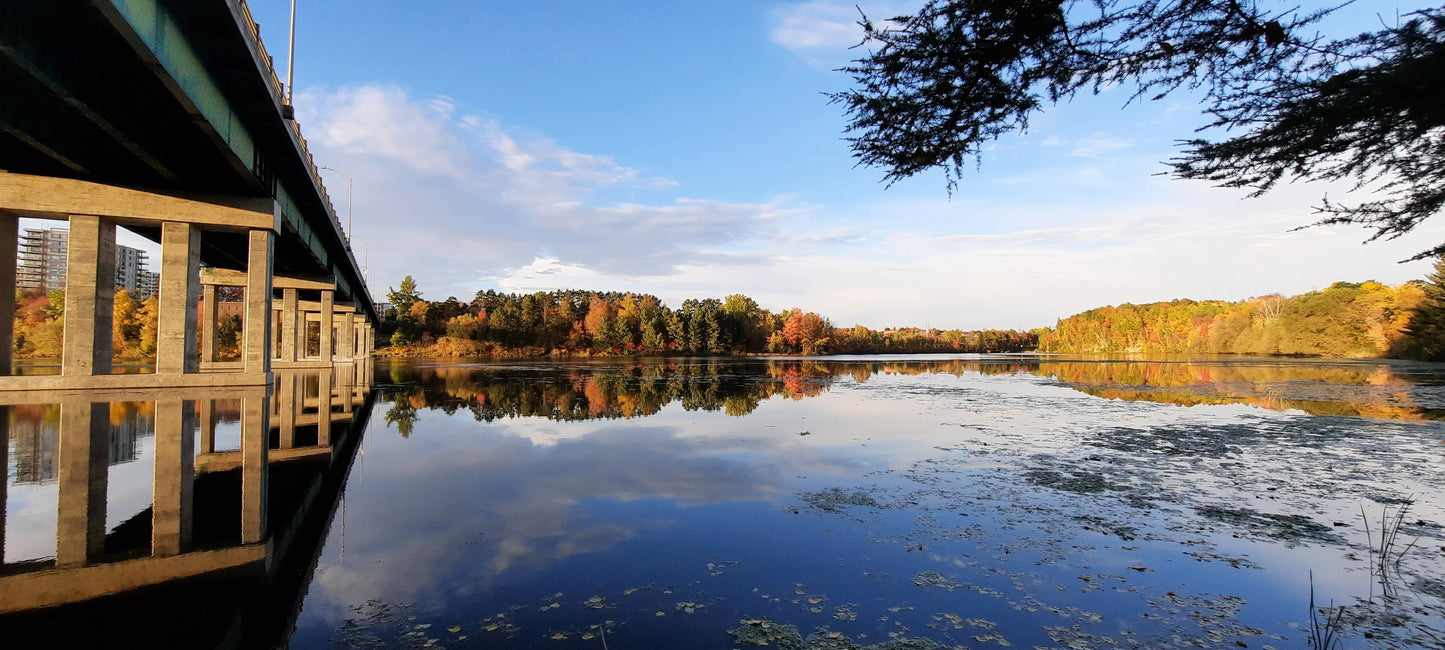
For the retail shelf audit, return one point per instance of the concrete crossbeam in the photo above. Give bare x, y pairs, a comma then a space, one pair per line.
58, 198
233, 278
50, 588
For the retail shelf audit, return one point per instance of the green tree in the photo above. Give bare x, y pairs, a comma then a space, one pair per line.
1425, 338
402, 297
937, 87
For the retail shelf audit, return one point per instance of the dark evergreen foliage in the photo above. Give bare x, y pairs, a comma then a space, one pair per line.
938, 86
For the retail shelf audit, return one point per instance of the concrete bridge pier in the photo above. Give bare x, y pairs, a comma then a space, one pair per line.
9, 241
89, 298
4, 462
255, 453
82, 473
172, 501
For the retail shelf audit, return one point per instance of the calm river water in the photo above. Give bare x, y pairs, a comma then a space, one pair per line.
846, 502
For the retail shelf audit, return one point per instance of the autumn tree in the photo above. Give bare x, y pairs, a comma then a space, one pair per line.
937, 87
807, 333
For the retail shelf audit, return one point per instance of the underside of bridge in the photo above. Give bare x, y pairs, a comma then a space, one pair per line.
165, 117
171, 96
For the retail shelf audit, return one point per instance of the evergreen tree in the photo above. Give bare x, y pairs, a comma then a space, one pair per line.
1426, 338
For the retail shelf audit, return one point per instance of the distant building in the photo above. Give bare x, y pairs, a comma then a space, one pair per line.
42, 259
42, 264
129, 264
147, 284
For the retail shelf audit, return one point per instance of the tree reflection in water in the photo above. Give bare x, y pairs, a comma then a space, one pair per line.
637, 388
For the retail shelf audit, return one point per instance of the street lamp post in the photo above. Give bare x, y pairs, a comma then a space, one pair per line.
348, 200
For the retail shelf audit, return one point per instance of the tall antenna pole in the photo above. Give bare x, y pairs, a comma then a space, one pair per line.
291, 55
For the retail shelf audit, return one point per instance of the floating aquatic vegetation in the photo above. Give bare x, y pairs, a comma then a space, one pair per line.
1079, 481
1290, 528
1206, 441
719, 567
1122, 531
934, 579
763, 632
758, 632
688, 607
835, 499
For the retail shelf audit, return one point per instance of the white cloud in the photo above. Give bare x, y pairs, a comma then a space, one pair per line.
822, 32
462, 201
449, 196
815, 25
1099, 144
379, 121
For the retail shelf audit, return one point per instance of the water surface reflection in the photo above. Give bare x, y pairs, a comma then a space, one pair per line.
957, 501
206, 504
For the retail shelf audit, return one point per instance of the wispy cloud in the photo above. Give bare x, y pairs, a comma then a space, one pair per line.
1098, 145
450, 195
822, 32
462, 201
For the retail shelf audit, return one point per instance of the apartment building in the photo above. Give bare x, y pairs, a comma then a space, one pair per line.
42, 264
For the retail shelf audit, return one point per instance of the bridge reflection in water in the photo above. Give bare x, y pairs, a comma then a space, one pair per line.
245, 483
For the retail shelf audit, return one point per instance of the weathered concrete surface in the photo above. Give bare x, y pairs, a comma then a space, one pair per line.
256, 347
89, 298
58, 587
180, 286
83, 478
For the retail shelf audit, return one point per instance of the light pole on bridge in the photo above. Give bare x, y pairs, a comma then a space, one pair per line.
348, 200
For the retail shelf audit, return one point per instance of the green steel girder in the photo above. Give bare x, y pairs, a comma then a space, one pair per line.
153, 27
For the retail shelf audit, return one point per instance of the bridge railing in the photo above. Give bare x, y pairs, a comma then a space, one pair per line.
261, 46
280, 89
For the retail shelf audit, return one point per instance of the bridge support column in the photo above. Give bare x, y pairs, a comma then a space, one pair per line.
257, 328
4, 462
209, 327
287, 398
345, 378
323, 407
328, 299
9, 236
84, 461
346, 338
89, 298
180, 284
208, 426
175, 472
255, 434
290, 323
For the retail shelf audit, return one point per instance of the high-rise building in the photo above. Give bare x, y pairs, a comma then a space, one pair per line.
129, 263
42, 264
42, 259
147, 284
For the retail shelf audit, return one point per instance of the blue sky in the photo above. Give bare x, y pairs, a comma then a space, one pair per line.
687, 150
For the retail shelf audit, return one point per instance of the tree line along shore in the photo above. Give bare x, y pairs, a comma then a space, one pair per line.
1345, 319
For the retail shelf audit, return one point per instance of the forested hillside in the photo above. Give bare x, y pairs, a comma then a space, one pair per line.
1346, 319
596, 322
